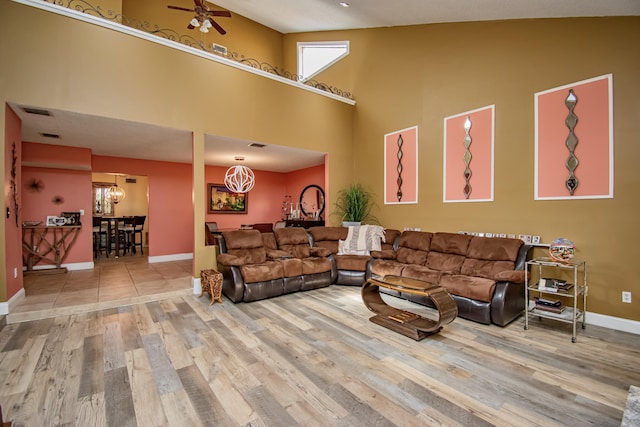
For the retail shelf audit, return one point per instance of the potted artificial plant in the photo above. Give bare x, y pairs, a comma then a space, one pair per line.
354, 205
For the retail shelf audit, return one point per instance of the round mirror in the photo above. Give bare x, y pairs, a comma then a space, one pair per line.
312, 201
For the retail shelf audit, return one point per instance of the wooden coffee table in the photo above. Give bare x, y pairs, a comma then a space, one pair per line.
404, 322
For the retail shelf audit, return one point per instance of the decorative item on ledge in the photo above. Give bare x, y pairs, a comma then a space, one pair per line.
562, 250
170, 34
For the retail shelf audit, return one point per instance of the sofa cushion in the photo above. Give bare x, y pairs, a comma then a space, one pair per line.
246, 245
262, 272
413, 247
494, 249
450, 243
294, 240
390, 236
484, 268
351, 262
269, 241
383, 267
422, 273
315, 265
291, 267
328, 237
476, 288
384, 254
449, 263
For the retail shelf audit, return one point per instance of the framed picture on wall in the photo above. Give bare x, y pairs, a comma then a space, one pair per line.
222, 200
401, 167
468, 170
574, 141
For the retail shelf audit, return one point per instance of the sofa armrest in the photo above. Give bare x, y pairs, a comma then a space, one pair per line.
232, 283
524, 255
507, 302
320, 252
278, 254
229, 260
515, 276
384, 254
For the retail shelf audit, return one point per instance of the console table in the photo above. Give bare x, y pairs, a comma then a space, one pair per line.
50, 244
304, 223
404, 322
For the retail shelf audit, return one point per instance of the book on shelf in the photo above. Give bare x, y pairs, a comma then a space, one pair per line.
548, 309
547, 302
554, 285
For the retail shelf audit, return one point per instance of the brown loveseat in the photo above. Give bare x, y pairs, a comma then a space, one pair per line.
484, 275
351, 269
254, 267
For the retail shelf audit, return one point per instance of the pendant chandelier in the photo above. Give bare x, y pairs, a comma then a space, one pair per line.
114, 193
239, 179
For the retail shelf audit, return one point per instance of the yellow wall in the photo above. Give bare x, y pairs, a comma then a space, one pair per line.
244, 37
93, 70
418, 75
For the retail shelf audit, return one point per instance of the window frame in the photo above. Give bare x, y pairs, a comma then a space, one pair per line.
328, 44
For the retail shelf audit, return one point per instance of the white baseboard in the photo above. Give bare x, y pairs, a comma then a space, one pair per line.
70, 267
5, 307
616, 323
174, 257
79, 266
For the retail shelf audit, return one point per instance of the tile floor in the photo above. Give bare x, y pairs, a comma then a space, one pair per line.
112, 282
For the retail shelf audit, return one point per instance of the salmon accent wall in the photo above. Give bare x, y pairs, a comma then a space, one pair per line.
13, 233
594, 130
56, 156
408, 158
265, 199
481, 148
72, 189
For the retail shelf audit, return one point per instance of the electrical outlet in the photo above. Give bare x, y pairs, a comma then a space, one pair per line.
81, 212
626, 296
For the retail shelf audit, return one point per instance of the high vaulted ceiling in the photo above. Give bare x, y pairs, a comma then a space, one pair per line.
110, 137
294, 16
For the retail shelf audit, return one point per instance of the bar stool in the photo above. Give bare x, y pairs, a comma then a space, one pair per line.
138, 226
100, 237
127, 231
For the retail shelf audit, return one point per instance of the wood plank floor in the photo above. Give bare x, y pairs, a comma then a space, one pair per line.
309, 359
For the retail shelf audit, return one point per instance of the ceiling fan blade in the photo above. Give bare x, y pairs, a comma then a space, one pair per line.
181, 8
190, 27
217, 27
224, 13
200, 3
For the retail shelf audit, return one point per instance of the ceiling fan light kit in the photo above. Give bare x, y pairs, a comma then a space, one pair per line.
204, 17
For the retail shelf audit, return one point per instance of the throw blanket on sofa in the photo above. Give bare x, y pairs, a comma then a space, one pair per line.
362, 239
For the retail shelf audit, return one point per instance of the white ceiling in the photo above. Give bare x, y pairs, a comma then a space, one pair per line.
120, 138
111, 137
294, 16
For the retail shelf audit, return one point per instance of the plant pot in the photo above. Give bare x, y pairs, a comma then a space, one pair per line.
351, 223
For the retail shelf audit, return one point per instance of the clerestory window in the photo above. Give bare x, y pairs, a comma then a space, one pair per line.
314, 57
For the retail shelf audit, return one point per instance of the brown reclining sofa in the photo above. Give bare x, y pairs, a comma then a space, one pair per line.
484, 275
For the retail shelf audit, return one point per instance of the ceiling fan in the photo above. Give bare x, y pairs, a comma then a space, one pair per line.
204, 17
